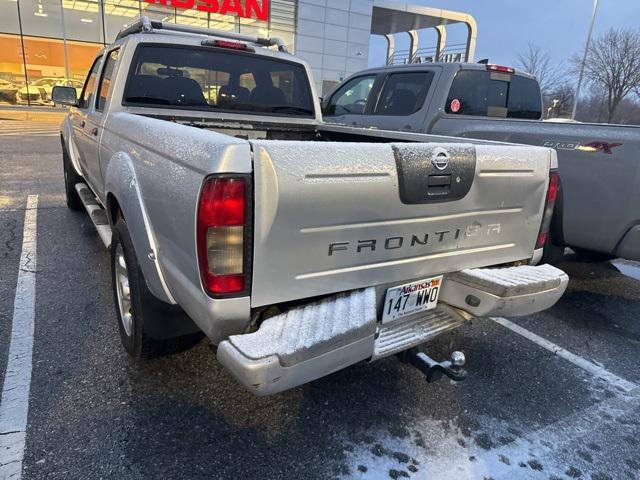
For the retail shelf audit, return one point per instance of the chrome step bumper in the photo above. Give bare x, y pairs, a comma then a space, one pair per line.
314, 340
510, 292
304, 343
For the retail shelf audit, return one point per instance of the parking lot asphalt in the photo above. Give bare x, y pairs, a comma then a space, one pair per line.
525, 411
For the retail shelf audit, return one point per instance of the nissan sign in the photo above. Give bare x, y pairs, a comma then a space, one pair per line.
258, 9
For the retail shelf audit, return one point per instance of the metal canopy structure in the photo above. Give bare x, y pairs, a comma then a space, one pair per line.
390, 18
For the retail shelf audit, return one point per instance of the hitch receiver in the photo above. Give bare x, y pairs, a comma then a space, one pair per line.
453, 368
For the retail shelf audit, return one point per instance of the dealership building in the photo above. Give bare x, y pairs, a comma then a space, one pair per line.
48, 42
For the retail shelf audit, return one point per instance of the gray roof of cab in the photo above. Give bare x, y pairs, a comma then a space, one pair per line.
446, 65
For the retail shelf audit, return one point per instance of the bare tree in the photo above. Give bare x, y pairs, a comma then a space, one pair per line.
560, 101
613, 65
539, 63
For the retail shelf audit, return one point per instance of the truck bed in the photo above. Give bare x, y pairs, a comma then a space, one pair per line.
356, 208
598, 165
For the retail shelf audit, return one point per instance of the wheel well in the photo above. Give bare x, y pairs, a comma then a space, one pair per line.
113, 208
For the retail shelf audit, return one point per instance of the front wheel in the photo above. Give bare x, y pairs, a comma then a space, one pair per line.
138, 310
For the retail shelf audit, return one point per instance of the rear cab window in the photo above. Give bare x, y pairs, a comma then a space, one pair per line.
494, 94
209, 78
404, 93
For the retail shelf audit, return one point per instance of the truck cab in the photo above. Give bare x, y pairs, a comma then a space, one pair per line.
412, 97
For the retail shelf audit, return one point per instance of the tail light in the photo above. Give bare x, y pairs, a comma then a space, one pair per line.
500, 68
227, 44
221, 234
552, 195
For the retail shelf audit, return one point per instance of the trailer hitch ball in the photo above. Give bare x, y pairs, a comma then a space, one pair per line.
434, 370
458, 359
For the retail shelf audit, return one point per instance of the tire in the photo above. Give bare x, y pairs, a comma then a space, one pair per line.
590, 256
71, 177
552, 254
142, 312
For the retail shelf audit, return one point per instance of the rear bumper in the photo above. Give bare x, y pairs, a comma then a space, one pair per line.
315, 340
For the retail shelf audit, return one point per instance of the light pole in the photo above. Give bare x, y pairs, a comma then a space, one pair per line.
584, 59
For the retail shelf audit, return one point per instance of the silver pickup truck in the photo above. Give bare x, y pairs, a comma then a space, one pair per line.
598, 208
298, 248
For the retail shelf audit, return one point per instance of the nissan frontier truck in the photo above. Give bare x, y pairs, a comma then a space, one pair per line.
298, 248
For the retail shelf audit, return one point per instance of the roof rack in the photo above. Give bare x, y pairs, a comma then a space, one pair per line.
147, 25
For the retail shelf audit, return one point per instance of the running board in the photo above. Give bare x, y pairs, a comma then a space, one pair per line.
97, 214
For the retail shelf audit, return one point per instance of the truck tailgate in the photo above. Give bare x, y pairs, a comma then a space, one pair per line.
331, 217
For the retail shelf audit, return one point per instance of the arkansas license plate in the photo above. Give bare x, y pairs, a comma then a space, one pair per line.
411, 298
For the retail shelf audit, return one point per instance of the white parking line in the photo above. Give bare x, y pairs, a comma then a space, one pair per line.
586, 365
14, 405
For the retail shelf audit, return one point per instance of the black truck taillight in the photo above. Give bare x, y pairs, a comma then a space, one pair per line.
222, 234
552, 195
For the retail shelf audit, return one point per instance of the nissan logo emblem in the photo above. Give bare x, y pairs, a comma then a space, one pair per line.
440, 158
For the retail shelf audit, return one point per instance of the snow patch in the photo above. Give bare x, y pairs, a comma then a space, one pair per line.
628, 268
493, 448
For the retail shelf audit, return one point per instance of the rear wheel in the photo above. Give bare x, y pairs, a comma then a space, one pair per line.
552, 253
71, 178
591, 256
137, 309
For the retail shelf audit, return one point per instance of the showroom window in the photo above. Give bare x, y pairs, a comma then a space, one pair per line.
82, 20
42, 18
9, 18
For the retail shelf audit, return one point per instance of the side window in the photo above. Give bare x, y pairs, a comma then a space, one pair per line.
469, 93
105, 80
474, 92
351, 98
525, 100
88, 90
404, 93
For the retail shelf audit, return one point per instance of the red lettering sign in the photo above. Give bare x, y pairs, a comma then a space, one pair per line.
258, 9
604, 147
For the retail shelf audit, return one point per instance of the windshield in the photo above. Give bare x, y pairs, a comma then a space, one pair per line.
217, 79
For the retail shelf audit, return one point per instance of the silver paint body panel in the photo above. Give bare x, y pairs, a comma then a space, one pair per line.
309, 195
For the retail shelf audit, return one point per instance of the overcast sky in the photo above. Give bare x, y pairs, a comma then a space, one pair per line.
506, 26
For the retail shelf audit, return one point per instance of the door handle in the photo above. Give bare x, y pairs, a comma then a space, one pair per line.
94, 131
82, 124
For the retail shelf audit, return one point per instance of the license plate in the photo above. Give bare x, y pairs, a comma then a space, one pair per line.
409, 298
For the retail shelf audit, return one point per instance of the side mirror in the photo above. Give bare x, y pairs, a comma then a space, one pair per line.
64, 96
